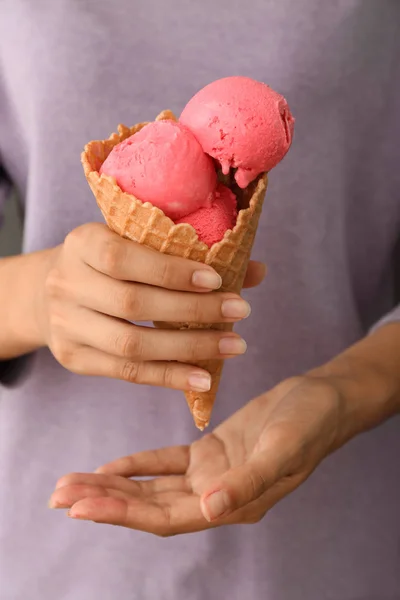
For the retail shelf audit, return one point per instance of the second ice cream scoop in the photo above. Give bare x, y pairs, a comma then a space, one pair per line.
242, 123
165, 165
212, 223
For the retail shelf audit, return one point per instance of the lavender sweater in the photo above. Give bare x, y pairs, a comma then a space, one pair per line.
70, 71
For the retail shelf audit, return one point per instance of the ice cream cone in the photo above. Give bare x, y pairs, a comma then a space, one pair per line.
146, 224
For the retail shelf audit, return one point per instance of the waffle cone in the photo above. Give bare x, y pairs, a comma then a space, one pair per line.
148, 225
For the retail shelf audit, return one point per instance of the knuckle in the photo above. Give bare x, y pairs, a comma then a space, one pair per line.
165, 528
57, 323
193, 347
163, 271
195, 308
110, 255
168, 376
129, 345
130, 371
78, 238
136, 343
190, 346
74, 238
64, 354
53, 284
256, 484
129, 302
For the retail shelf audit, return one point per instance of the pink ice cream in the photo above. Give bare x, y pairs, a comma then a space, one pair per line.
212, 223
165, 165
242, 123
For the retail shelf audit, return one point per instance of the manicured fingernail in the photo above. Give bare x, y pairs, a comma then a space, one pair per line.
235, 309
232, 345
200, 382
209, 280
53, 504
215, 505
74, 515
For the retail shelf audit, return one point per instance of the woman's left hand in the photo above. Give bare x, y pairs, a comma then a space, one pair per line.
233, 475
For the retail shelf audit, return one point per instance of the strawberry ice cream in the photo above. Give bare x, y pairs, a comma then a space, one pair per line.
165, 165
242, 123
212, 223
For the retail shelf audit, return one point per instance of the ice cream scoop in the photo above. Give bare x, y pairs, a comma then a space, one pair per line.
164, 164
212, 223
242, 123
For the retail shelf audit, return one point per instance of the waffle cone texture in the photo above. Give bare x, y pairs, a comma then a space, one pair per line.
148, 225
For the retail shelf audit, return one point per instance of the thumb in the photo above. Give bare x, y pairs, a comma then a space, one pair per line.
237, 488
255, 274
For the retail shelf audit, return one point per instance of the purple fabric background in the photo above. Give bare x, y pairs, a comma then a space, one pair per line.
70, 72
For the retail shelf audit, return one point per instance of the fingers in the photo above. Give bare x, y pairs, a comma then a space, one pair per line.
137, 302
166, 519
69, 495
78, 486
256, 272
164, 505
113, 511
135, 343
166, 508
128, 486
87, 361
173, 460
123, 259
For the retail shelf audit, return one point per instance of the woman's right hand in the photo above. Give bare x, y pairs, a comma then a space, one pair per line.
99, 284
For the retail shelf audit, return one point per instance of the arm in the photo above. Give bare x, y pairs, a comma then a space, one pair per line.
367, 376
21, 281
20, 278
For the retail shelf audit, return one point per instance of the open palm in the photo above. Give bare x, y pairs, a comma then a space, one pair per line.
233, 475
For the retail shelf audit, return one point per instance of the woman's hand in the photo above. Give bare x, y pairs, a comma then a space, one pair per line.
98, 284
233, 475
252, 460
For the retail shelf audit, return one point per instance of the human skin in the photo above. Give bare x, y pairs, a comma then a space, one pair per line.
81, 299
237, 473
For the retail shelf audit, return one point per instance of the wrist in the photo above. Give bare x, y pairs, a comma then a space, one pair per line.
367, 378
22, 280
39, 312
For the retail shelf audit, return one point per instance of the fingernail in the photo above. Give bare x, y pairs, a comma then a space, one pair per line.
235, 309
73, 515
209, 280
232, 345
200, 382
53, 504
216, 505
